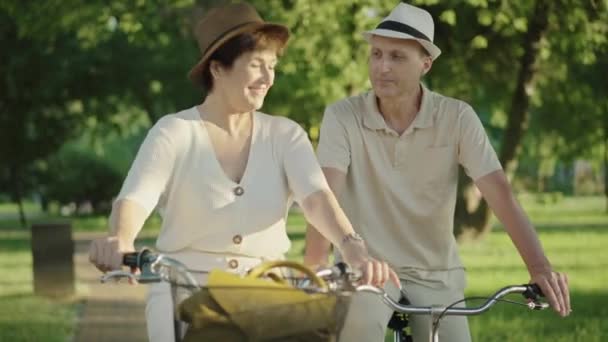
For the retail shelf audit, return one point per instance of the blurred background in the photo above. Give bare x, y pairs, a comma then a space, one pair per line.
81, 82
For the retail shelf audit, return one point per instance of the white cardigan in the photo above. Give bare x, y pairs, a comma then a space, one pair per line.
177, 172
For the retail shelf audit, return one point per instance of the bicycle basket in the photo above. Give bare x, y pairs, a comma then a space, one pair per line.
234, 308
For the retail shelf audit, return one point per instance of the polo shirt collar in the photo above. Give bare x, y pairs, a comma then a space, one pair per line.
372, 118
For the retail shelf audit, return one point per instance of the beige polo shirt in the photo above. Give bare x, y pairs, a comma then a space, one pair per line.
176, 171
400, 191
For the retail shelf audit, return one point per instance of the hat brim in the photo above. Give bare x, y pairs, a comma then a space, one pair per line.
279, 31
431, 48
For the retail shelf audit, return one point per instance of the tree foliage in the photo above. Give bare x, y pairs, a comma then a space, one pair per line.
73, 65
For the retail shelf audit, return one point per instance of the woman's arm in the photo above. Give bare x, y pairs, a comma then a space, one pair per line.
322, 210
145, 182
126, 220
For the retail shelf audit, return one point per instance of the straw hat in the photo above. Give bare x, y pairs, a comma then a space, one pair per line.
408, 22
225, 22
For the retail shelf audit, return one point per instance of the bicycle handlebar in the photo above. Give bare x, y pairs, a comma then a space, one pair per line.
153, 269
530, 291
151, 266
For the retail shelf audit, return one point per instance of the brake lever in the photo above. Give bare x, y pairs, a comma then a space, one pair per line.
117, 275
146, 276
535, 305
533, 293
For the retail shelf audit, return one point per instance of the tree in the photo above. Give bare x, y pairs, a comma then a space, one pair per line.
509, 51
75, 66
70, 64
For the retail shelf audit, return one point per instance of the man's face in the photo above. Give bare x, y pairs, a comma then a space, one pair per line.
396, 66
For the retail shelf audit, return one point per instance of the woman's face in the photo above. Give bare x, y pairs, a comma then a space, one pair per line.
245, 85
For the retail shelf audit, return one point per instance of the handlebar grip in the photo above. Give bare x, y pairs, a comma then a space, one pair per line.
342, 267
138, 259
533, 291
537, 289
130, 259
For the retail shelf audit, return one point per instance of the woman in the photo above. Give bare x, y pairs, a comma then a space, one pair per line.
222, 174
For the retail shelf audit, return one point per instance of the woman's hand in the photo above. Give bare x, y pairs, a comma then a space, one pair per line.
375, 272
555, 288
107, 253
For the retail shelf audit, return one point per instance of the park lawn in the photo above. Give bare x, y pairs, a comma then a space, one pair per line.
576, 250
574, 231
87, 223
23, 316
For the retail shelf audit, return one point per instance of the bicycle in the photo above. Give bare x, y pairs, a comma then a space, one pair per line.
340, 280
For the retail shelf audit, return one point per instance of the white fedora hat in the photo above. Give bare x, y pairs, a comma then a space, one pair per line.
408, 22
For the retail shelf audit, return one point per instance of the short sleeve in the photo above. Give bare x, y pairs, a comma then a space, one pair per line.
303, 172
333, 149
151, 169
475, 153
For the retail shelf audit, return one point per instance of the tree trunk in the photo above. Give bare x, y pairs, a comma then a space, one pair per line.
606, 158
472, 215
15, 179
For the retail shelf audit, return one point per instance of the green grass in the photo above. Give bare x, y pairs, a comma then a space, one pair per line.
576, 250
23, 316
574, 232
567, 211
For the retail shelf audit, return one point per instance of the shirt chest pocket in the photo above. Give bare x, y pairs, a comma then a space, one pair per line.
435, 167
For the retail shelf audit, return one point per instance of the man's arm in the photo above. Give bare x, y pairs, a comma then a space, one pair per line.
497, 192
317, 247
321, 209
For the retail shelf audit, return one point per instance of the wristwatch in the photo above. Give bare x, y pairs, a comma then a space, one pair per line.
351, 237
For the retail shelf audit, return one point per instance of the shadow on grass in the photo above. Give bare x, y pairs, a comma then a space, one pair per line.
35, 331
569, 228
27, 317
16, 296
14, 243
494, 269
512, 323
548, 228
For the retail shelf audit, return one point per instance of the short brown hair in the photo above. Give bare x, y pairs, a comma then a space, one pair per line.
236, 47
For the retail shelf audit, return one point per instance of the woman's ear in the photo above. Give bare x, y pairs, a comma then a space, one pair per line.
215, 69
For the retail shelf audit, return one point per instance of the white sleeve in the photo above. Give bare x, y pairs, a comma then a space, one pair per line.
303, 172
151, 169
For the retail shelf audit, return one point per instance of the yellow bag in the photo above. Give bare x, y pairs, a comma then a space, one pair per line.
234, 308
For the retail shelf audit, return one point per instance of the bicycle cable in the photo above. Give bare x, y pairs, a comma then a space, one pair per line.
442, 314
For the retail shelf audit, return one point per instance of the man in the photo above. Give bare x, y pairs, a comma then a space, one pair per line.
391, 155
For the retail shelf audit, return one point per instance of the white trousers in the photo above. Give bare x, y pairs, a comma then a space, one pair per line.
160, 304
368, 316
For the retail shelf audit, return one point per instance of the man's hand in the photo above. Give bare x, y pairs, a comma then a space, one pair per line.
555, 289
375, 272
